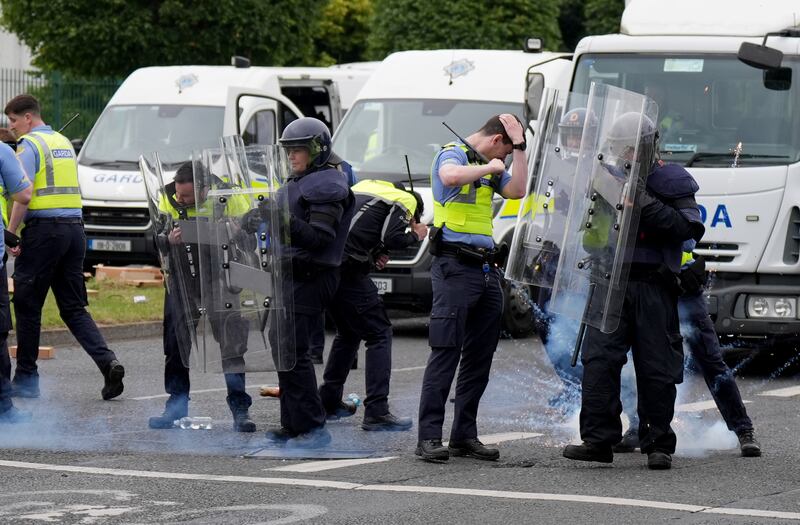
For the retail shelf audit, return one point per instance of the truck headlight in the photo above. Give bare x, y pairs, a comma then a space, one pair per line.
766, 306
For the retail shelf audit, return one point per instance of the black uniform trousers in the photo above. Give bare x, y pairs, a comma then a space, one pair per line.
312, 291
52, 256
5, 327
649, 327
463, 334
359, 315
176, 371
703, 344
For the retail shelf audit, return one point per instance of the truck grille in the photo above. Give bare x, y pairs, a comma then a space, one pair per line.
718, 252
791, 250
97, 216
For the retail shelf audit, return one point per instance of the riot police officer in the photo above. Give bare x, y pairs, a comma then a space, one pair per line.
178, 201
649, 319
385, 212
51, 251
13, 181
467, 297
321, 208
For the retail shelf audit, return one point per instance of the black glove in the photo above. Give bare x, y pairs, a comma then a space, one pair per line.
252, 220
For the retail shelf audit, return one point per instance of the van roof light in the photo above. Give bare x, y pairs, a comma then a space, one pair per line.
533, 45
240, 61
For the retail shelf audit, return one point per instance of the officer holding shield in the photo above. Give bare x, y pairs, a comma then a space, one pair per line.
648, 322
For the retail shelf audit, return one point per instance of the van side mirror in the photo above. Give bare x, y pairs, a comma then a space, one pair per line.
534, 87
77, 144
761, 57
779, 79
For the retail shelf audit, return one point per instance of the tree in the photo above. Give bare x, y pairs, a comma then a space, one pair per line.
601, 17
482, 24
570, 21
114, 37
341, 35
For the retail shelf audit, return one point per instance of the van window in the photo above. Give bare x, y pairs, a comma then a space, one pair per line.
377, 134
260, 128
709, 106
122, 133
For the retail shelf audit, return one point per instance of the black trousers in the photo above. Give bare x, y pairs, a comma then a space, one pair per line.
703, 344
5, 327
649, 327
463, 335
176, 371
359, 315
301, 407
52, 257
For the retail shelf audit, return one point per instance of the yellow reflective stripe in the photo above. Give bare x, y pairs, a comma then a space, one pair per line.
686, 258
50, 175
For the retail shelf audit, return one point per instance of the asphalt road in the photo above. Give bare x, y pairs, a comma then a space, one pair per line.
83, 460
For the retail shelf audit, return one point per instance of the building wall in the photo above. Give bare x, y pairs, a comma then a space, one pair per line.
13, 53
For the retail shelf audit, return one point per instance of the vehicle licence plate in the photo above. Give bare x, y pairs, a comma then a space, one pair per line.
106, 245
384, 285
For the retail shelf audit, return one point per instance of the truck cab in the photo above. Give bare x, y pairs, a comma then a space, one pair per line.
399, 114
176, 110
736, 129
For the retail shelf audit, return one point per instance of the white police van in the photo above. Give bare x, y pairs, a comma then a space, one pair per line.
736, 128
177, 109
399, 113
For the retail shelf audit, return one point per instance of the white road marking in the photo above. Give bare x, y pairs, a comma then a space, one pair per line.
782, 392
699, 406
408, 368
412, 489
317, 466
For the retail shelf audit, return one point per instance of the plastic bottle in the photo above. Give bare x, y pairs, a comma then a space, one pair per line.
194, 423
353, 398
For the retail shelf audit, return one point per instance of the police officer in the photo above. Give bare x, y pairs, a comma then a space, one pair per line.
649, 318
467, 297
178, 201
52, 250
321, 208
13, 181
385, 212
703, 344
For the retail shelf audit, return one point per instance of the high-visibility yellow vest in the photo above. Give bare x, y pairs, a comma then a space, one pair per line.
236, 206
468, 212
386, 192
686, 258
55, 185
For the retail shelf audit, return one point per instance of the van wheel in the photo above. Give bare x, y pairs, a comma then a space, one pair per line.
518, 315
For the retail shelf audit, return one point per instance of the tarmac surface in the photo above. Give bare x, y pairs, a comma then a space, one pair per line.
84, 460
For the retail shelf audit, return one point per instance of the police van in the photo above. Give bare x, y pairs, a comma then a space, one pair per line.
735, 127
398, 115
177, 109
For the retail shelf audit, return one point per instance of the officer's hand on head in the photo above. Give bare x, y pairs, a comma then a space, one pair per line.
175, 236
513, 128
496, 166
420, 230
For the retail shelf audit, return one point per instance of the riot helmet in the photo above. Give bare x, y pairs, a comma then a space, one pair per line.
309, 133
631, 134
571, 130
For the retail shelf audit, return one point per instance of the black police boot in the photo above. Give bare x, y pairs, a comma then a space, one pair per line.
279, 435
175, 408
316, 438
628, 443
242, 421
748, 444
589, 452
659, 461
387, 422
473, 448
28, 388
343, 409
432, 450
113, 375
14, 415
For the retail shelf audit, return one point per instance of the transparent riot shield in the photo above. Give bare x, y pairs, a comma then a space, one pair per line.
171, 225
542, 217
602, 220
245, 322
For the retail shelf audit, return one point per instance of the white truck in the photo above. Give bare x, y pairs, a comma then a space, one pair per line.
736, 128
400, 111
177, 109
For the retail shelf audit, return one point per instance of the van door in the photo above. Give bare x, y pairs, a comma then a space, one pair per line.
318, 98
258, 116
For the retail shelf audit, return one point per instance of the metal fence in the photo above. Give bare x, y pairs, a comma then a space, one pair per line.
61, 98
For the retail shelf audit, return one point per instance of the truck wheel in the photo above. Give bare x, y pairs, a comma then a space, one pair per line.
518, 319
